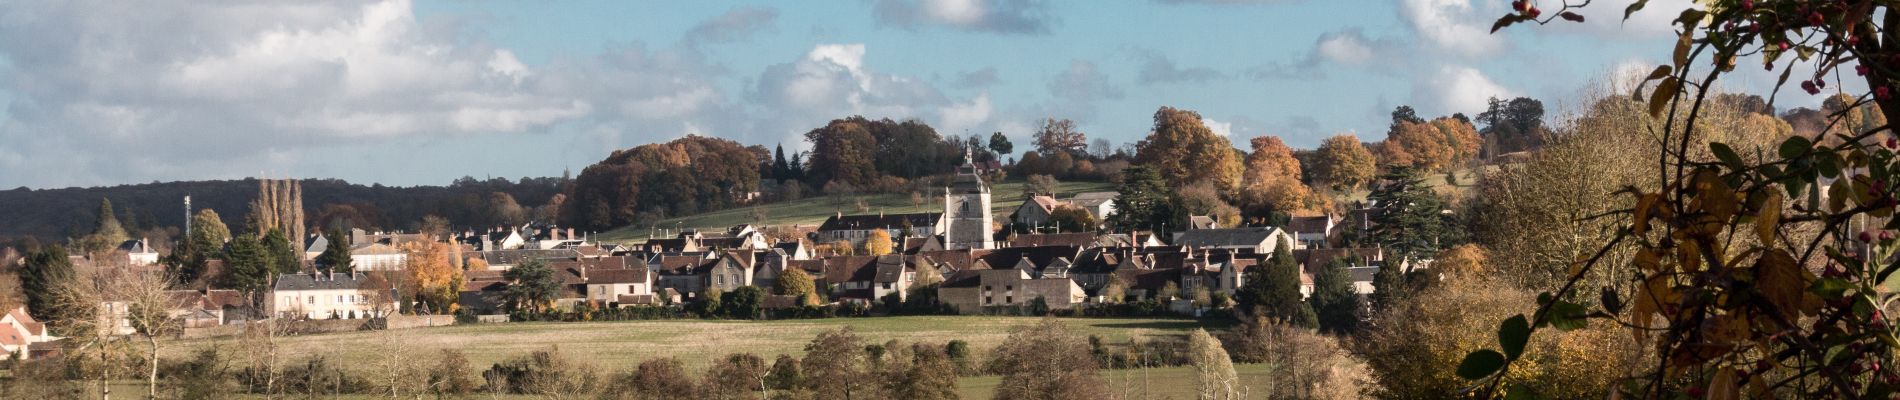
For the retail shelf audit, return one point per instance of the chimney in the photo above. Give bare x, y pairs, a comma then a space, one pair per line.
570, 233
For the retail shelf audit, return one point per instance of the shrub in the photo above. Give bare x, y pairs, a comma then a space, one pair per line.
1307, 364
451, 374
784, 374
659, 378
205, 376
1046, 361
738, 376
315, 375
545, 372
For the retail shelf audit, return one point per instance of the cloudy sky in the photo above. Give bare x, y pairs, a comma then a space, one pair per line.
407, 92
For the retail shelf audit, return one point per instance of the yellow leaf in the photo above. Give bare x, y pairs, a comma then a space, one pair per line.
1837, 194
1768, 219
1781, 282
1665, 92
1723, 386
1647, 260
1758, 388
1687, 256
1643, 206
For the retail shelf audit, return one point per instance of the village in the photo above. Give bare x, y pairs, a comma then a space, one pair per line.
977, 269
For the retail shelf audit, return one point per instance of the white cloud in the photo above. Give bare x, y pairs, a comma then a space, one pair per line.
1219, 128
993, 16
1457, 89
1454, 25
1348, 48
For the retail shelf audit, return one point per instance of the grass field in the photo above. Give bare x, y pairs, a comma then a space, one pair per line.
1004, 197
621, 345
1151, 383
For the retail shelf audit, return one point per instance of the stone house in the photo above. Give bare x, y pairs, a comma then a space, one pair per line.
330, 296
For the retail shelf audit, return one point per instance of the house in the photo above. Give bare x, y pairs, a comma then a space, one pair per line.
1037, 210
315, 247
207, 307
377, 256
856, 228
606, 280
1100, 205
1254, 240
973, 291
21, 335
682, 273
1202, 222
331, 296
866, 278
800, 249
1362, 263
139, 252
1311, 232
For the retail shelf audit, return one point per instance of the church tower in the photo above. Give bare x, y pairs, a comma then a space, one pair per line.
966, 210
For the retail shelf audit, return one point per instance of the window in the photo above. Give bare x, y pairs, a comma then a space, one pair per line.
722, 280
352, 298
1009, 299
989, 300
339, 299
312, 300
887, 286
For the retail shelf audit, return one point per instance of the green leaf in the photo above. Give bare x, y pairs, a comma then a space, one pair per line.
1519, 392
1513, 334
1611, 302
1568, 316
1793, 147
1830, 288
1727, 155
1480, 364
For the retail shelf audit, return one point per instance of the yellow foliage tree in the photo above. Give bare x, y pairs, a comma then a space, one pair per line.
878, 244
434, 282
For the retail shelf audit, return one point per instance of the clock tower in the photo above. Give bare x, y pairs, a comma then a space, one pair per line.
966, 210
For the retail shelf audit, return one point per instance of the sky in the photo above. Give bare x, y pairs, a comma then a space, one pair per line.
420, 92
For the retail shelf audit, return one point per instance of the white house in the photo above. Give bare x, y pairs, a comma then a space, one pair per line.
139, 252
19, 333
330, 296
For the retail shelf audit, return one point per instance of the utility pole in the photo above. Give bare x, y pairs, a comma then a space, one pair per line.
187, 216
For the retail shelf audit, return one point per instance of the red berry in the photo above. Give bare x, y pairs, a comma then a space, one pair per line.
1860, 70
1783, 46
1815, 18
1748, 5
1853, 40
1695, 391
1533, 12
1880, 93
1885, 235
1892, 143
1809, 87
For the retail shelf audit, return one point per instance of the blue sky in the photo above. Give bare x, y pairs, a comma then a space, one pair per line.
406, 93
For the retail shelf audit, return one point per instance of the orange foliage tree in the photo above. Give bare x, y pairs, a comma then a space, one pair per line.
434, 283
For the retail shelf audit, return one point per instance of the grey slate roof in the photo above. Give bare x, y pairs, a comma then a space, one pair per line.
1250, 236
333, 281
883, 221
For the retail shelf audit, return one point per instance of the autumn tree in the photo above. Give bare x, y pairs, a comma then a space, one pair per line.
656, 379
684, 176
1184, 151
1437, 145
1072, 219
1041, 185
930, 375
1059, 136
843, 151
796, 282
432, 281
1343, 162
835, 366
737, 376
1516, 124
1046, 360
1272, 180
208, 232
880, 243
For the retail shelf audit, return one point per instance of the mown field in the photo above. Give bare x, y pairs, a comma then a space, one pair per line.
621, 345
1004, 197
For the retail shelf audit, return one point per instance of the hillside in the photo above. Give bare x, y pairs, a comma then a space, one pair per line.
1005, 197
54, 213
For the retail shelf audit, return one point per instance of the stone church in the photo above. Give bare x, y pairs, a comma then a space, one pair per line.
966, 210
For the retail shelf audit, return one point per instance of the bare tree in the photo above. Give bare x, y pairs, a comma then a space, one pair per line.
146, 309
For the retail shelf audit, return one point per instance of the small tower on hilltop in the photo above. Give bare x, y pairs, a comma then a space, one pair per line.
966, 209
